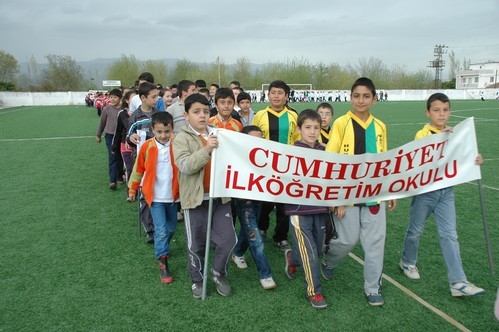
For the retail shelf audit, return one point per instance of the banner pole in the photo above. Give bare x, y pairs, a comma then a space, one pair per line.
210, 220
207, 247
485, 226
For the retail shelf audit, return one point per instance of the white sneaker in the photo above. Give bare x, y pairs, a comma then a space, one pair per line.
268, 283
410, 271
240, 261
465, 288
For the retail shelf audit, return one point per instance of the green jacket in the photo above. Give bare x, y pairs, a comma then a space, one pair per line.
190, 158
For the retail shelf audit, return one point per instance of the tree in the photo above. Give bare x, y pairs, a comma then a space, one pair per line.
8, 70
62, 74
185, 70
454, 65
241, 71
158, 69
126, 69
375, 69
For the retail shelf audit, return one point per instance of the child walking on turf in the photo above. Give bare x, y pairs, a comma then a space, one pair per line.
155, 171
307, 222
358, 132
192, 149
441, 203
248, 212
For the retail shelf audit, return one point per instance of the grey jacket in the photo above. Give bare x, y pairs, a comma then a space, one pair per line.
190, 157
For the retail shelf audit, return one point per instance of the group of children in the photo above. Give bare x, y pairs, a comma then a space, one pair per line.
170, 167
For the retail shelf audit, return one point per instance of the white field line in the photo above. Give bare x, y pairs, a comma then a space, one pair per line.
16, 110
42, 138
488, 187
408, 292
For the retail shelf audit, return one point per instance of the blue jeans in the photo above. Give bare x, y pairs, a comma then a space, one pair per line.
115, 162
164, 217
441, 204
249, 236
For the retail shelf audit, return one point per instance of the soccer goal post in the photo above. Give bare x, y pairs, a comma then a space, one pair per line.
293, 86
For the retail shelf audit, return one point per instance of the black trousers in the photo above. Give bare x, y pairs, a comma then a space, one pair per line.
282, 221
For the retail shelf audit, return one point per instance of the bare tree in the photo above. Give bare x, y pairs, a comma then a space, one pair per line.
62, 74
454, 65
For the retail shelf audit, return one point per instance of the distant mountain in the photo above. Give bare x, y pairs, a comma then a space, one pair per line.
95, 70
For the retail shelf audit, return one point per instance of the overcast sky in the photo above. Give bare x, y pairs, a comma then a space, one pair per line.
326, 31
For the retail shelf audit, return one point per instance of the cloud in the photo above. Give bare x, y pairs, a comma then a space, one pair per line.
396, 32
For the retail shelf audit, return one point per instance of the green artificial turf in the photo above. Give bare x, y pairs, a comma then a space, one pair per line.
71, 258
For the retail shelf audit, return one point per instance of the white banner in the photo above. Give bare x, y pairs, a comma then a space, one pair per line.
254, 168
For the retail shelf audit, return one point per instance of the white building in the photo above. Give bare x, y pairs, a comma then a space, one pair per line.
479, 76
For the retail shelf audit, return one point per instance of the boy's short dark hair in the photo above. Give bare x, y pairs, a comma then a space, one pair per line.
116, 92
224, 93
195, 98
243, 96
145, 88
148, 77
281, 85
236, 83
183, 86
308, 114
215, 85
364, 81
437, 96
164, 118
200, 84
325, 105
204, 90
250, 128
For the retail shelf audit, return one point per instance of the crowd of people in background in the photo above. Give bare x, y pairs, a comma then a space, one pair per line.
160, 139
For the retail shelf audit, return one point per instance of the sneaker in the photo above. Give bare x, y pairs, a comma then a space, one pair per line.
376, 300
268, 283
112, 185
283, 245
164, 272
317, 301
197, 290
326, 273
223, 287
240, 261
289, 269
465, 288
410, 271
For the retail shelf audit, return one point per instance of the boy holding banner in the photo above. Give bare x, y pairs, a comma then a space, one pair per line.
192, 149
307, 222
441, 203
358, 132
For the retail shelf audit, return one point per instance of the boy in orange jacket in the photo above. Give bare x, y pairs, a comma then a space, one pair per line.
156, 172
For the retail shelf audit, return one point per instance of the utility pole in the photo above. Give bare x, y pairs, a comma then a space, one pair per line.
438, 63
218, 64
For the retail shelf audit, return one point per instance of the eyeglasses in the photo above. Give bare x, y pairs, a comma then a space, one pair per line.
325, 114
